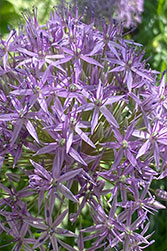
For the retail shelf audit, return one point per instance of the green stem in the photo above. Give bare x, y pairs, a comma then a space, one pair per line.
72, 209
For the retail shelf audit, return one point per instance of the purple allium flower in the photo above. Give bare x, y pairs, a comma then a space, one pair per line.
125, 146
126, 11
49, 228
161, 194
83, 135
155, 139
42, 180
129, 12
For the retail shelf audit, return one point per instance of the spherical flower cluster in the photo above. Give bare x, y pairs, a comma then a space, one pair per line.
126, 11
129, 12
83, 134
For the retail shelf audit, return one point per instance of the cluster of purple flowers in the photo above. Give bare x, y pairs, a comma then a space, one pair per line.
129, 12
83, 129
126, 11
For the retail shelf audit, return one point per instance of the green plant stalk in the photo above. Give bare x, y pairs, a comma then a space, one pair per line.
72, 209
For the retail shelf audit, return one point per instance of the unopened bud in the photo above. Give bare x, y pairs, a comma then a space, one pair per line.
161, 194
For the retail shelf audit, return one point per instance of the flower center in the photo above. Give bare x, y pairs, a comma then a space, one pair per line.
129, 232
162, 97
61, 142
98, 102
125, 144
122, 178
73, 87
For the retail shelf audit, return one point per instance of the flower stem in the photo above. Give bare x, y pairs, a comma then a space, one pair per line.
72, 209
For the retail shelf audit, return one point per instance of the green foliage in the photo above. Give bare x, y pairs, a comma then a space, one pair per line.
10, 12
8, 16
152, 33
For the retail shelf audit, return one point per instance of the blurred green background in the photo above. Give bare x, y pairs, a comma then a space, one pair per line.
152, 33
10, 12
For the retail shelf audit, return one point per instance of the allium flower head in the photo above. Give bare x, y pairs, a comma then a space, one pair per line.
79, 136
129, 12
126, 11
